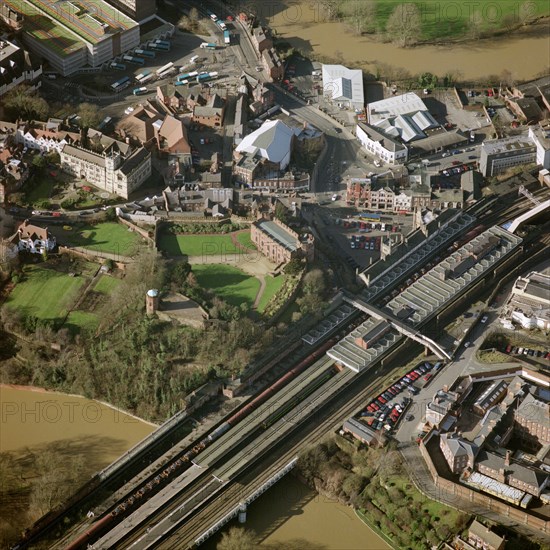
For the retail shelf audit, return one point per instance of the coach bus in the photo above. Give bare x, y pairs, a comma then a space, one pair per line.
119, 85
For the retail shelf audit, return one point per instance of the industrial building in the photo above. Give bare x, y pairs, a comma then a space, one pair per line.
136, 9
71, 35
498, 155
344, 86
529, 302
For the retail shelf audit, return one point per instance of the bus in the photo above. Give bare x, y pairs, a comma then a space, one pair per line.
118, 66
139, 91
145, 53
370, 217
208, 46
165, 68
207, 76
162, 42
187, 76
134, 60
212, 16
146, 78
226, 37
121, 84
159, 46
221, 24
181, 82
142, 75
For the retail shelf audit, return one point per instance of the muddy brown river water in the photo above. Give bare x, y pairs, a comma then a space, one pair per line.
298, 22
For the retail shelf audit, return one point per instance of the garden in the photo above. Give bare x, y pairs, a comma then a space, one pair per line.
110, 237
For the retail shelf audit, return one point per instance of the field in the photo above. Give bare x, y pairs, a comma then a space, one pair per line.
272, 286
105, 237
106, 284
196, 245
229, 283
244, 240
45, 293
451, 19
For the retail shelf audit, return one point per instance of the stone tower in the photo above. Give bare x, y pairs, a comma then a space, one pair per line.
152, 301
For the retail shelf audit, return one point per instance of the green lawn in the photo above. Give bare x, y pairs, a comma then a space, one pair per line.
229, 283
272, 286
77, 320
106, 284
245, 240
45, 293
105, 237
196, 245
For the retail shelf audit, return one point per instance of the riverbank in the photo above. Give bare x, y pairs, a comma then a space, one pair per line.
468, 60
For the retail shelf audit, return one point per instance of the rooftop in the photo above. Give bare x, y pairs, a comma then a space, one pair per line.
385, 141
46, 31
506, 145
91, 23
342, 83
534, 410
394, 106
278, 234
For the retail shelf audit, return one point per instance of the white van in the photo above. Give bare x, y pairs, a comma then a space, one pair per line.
194, 59
316, 73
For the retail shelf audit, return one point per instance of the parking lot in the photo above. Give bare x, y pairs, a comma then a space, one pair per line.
391, 407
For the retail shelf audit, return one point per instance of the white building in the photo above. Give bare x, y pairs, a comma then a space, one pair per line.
404, 104
344, 86
118, 168
529, 301
380, 145
34, 239
540, 136
271, 142
45, 136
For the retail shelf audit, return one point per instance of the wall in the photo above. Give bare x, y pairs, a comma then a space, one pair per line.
143, 232
480, 499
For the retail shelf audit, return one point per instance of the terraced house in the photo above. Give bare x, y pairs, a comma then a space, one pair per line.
72, 34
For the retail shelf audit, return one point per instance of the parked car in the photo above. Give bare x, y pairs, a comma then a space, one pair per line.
484, 319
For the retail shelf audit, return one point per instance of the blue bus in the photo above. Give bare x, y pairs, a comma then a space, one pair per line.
104, 123
160, 47
187, 76
120, 84
133, 59
118, 66
145, 53
226, 37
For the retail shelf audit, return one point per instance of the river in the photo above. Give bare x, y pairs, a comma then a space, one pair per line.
31, 420
292, 516
298, 22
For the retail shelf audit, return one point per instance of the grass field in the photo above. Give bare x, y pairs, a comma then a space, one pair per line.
45, 293
106, 284
229, 283
245, 240
272, 286
105, 237
451, 19
196, 245
78, 320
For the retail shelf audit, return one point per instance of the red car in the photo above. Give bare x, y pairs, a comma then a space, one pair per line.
428, 376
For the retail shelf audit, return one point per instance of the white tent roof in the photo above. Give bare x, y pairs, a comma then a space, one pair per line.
342, 83
272, 141
394, 106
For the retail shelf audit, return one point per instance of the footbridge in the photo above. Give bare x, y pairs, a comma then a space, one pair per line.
398, 325
541, 207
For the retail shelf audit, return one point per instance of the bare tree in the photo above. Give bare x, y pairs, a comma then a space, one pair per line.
362, 17
475, 24
237, 539
404, 25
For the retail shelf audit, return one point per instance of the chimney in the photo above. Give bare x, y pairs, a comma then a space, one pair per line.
507, 458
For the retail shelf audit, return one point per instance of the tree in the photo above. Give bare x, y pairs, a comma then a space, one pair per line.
22, 102
237, 539
427, 80
404, 25
281, 212
475, 24
184, 23
527, 12
89, 115
39, 163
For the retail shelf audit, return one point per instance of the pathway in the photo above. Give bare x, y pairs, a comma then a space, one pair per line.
261, 291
